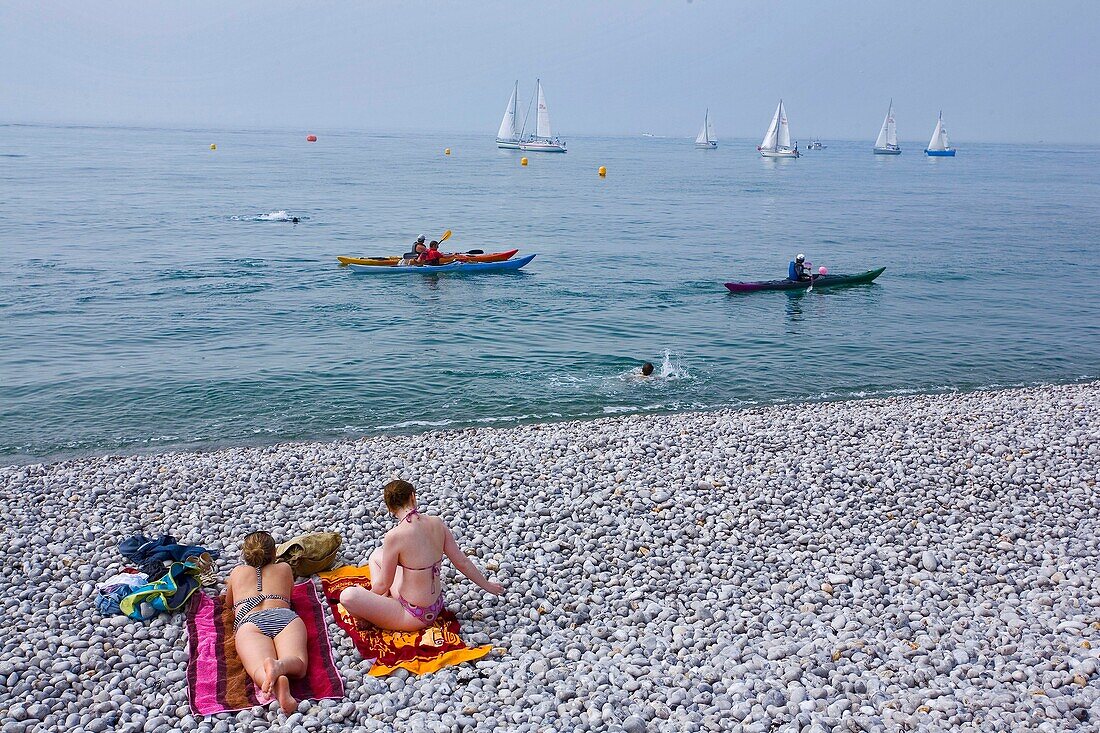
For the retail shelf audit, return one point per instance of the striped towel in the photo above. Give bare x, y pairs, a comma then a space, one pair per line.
420, 652
216, 679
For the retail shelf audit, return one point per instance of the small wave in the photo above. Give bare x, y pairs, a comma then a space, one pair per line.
280, 215
627, 409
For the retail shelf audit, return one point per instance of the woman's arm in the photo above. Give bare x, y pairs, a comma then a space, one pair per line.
466, 566
388, 562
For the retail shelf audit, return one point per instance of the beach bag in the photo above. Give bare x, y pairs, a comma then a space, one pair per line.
310, 553
168, 593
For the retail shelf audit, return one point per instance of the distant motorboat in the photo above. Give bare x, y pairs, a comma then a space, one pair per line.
507, 137
543, 140
815, 144
887, 141
777, 140
706, 140
938, 146
648, 134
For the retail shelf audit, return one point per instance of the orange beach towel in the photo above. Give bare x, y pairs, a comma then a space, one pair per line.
420, 652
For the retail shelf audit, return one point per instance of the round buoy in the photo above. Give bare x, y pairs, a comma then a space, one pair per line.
603, 172
447, 151
311, 138
213, 146
523, 161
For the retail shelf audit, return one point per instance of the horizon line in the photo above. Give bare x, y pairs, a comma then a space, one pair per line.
180, 127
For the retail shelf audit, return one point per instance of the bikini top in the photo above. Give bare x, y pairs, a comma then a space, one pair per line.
435, 566
248, 605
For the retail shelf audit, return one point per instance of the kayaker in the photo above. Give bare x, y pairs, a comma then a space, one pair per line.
411, 257
432, 256
799, 269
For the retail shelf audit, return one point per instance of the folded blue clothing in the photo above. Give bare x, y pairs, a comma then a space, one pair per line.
150, 554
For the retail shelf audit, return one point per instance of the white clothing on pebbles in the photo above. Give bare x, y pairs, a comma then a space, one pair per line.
918, 563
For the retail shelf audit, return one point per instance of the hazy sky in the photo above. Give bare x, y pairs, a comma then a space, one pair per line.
1005, 70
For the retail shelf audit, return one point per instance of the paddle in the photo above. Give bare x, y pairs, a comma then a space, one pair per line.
444, 238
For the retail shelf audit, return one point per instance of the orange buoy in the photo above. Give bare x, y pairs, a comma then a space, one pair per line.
602, 171
213, 146
447, 151
523, 161
311, 138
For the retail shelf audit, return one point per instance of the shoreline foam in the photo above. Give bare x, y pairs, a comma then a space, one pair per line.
893, 563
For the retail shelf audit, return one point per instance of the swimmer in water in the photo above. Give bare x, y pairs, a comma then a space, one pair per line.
647, 369
294, 220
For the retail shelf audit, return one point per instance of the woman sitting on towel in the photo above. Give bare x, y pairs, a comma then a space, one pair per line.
406, 593
270, 638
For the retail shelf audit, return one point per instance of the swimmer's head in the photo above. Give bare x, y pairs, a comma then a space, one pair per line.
647, 369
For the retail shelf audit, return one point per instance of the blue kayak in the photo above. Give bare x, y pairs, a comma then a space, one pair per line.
454, 267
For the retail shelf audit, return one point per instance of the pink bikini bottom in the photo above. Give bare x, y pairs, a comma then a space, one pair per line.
426, 614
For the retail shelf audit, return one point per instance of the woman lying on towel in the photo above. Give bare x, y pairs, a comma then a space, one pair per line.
406, 593
270, 638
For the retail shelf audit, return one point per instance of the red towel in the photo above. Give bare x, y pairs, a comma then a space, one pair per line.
420, 652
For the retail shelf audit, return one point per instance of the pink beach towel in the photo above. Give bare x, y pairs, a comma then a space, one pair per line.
216, 680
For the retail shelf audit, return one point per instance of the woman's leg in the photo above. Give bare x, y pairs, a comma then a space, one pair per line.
290, 647
255, 649
382, 611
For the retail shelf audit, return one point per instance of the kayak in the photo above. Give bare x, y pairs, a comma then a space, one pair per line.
446, 259
820, 281
455, 267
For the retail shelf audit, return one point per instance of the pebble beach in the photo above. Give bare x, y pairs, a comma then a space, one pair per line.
916, 563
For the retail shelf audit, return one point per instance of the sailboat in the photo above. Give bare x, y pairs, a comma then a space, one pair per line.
938, 145
506, 135
706, 140
887, 142
543, 140
777, 141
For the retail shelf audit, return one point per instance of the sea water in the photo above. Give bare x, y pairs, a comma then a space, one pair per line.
155, 294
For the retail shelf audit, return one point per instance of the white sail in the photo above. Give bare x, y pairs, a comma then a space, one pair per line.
939, 136
704, 135
542, 121
784, 139
888, 135
507, 129
772, 135
710, 129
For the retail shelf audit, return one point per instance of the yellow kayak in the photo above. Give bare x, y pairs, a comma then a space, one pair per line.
446, 259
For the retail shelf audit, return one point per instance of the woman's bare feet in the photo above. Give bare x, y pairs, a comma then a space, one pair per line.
273, 669
286, 701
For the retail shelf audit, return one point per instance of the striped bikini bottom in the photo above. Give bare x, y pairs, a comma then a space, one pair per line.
271, 621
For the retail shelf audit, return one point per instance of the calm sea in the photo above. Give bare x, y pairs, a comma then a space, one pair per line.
148, 300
